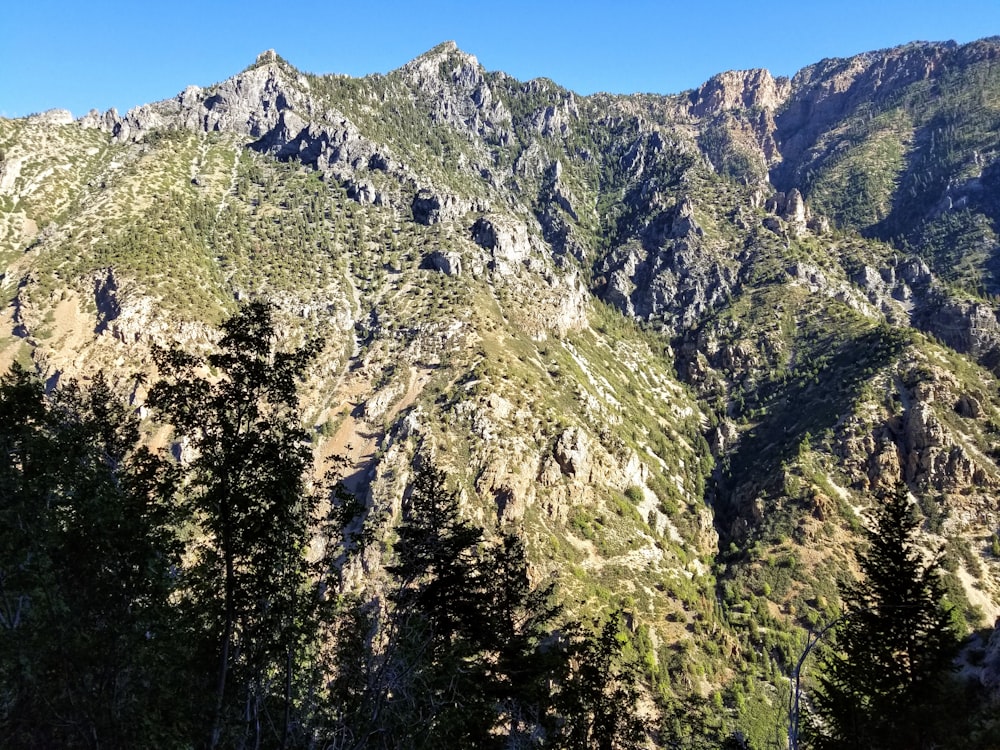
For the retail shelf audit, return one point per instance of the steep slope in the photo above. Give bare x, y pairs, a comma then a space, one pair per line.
681, 384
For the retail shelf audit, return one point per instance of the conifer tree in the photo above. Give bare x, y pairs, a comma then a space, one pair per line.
437, 623
246, 483
893, 647
597, 700
463, 663
89, 652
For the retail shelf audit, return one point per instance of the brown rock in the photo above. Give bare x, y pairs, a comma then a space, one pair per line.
572, 451
968, 407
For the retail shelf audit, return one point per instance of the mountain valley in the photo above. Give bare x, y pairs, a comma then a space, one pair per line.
679, 344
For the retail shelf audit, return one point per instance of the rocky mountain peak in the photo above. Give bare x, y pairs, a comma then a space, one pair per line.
443, 62
267, 56
739, 89
250, 103
455, 86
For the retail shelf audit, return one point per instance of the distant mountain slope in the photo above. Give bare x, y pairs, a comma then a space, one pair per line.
677, 342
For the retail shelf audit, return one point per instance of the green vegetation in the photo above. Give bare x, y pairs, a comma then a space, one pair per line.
882, 679
142, 575
691, 459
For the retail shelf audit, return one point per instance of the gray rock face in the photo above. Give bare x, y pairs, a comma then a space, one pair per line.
967, 327
791, 209
968, 406
902, 292
128, 317
572, 453
106, 299
795, 212
668, 273
10, 170
914, 272
52, 117
449, 264
824, 93
251, 102
739, 89
96, 120
555, 119
364, 193
455, 86
426, 207
430, 206
272, 104
505, 239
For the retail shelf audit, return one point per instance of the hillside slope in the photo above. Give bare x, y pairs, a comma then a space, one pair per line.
677, 342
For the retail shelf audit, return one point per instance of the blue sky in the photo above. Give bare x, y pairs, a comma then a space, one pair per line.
83, 54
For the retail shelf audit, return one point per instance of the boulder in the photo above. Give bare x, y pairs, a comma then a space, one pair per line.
507, 241
968, 406
448, 263
796, 213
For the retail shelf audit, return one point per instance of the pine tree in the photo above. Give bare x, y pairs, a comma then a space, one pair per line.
597, 700
433, 672
893, 647
247, 486
519, 665
463, 663
89, 651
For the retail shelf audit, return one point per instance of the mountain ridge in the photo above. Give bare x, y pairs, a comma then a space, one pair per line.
680, 342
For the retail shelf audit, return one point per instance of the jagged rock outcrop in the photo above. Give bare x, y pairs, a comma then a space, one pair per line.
965, 326
572, 453
555, 119
509, 481
134, 318
739, 89
455, 86
923, 436
431, 206
10, 170
52, 117
739, 107
100, 120
364, 193
557, 215
448, 263
506, 240
426, 207
968, 406
792, 210
670, 274
250, 103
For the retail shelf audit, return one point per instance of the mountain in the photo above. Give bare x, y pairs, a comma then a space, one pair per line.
678, 342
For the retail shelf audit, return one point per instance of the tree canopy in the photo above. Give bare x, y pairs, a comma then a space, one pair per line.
893, 646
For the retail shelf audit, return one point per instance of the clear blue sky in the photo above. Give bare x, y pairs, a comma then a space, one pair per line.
83, 54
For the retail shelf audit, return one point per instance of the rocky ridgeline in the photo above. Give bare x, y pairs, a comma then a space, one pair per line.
466, 243
453, 84
665, 267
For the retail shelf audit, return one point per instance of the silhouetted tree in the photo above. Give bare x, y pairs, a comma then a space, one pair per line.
893, 647
90, 652
247, 483
462, 660
433, 678
597, 700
